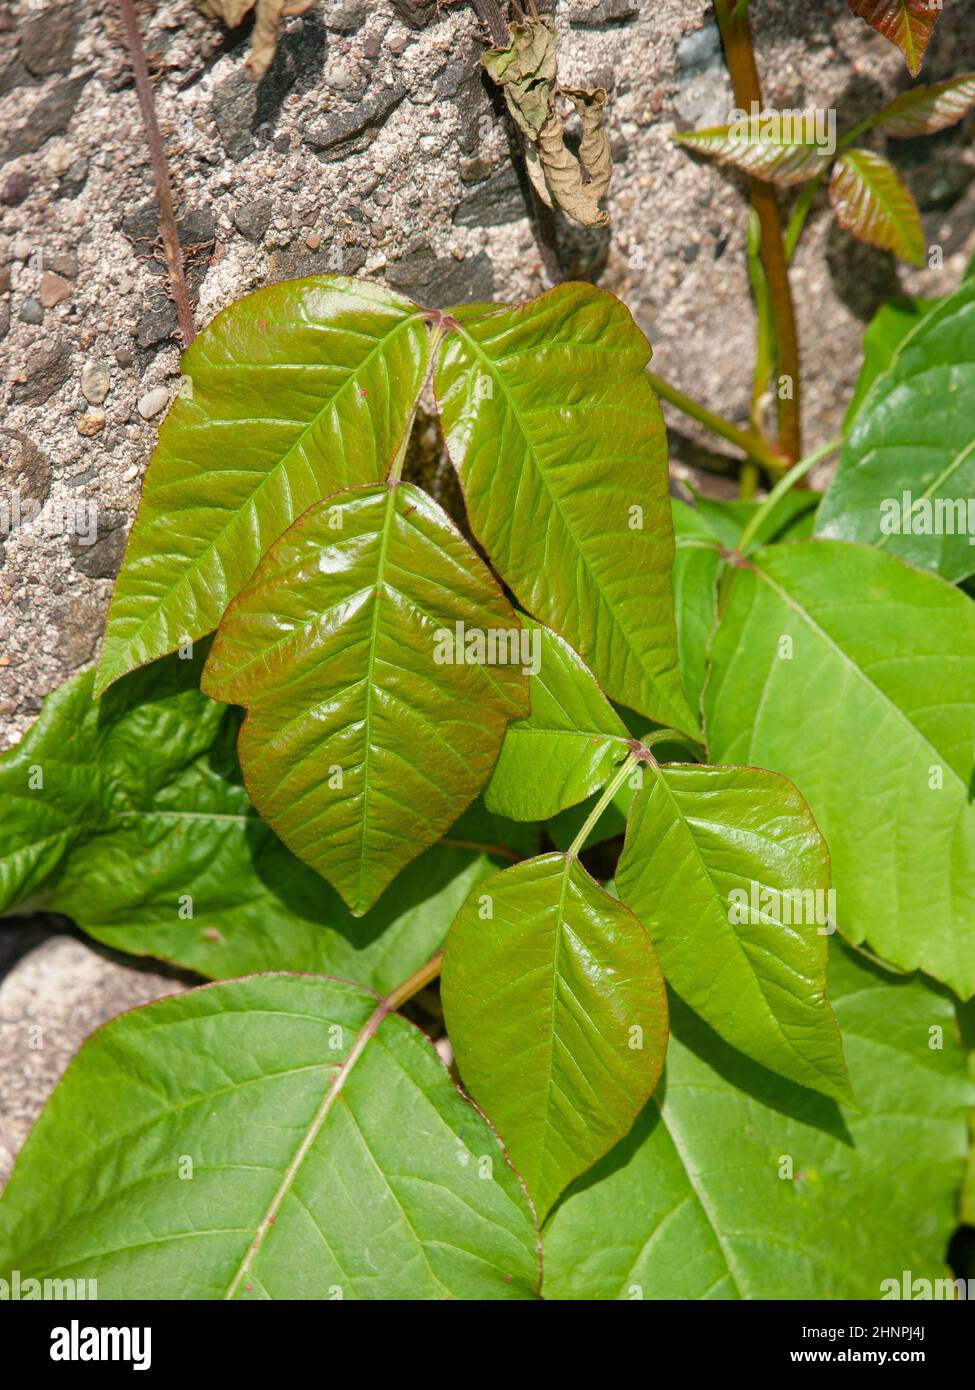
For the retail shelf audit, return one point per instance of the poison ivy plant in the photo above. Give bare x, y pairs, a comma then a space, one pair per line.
360, 746
539, 747
291, 394
562, 1057
883, 754
907, 23
867, 194
129, 815
907, 472
235, 1143
736, 1184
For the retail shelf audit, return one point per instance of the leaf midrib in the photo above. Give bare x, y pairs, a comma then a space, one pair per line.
851, 665
193, 568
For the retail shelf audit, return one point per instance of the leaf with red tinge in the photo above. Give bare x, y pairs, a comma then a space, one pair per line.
926, 110
764, 147
907, 23
870, 200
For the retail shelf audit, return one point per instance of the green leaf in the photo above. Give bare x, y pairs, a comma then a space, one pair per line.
290, 394
906, 477
727, 869
142, 833
790, 520
926, 110
766, 146
870, 200
555, 1006
562, 454
853, 675
888, 328
568, 745
907, 23
697, 564
235, 1142
696, 1202
369, 728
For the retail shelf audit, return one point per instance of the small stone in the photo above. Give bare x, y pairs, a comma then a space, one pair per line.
72, 182
91, 423
313, 241
253, 219
415, 13
63, 262
54, 288
31, 312
124, 357
152, 402
15, 188
45, 371
95, 381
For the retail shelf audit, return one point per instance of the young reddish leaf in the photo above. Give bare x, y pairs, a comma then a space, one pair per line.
907, 23
288, 395
762, 149
870, 200
366, 737
556, 1008
926, 110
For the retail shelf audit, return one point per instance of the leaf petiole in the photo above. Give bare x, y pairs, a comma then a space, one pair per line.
784, 485
626, 767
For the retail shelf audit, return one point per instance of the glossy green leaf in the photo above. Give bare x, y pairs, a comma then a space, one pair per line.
567, 746
907, 23
140, 831
791, 519
236, 1142
737, 1184
854, 676
697, 563
290, 394
906, 478
871, 200
555, 1006
561, 450
371, 725
727, 870
767, 146
888, 328
926, 110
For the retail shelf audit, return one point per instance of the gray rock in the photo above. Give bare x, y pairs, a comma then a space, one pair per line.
95, 381
157, 324
344, 16
4, 318
699, 50
49, 116
704, 96
32, 311
498, 200
73, 180
463, 82
103, 558
14, 75
47, 369
252, 219
593, 14
51, 1001
25, 470
47, 41
153, 402
344, 134
416, 13
433, 280
241, 107
295, 262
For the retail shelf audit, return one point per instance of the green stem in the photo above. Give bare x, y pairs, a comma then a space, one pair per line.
752, 445
624, 770
784, 485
